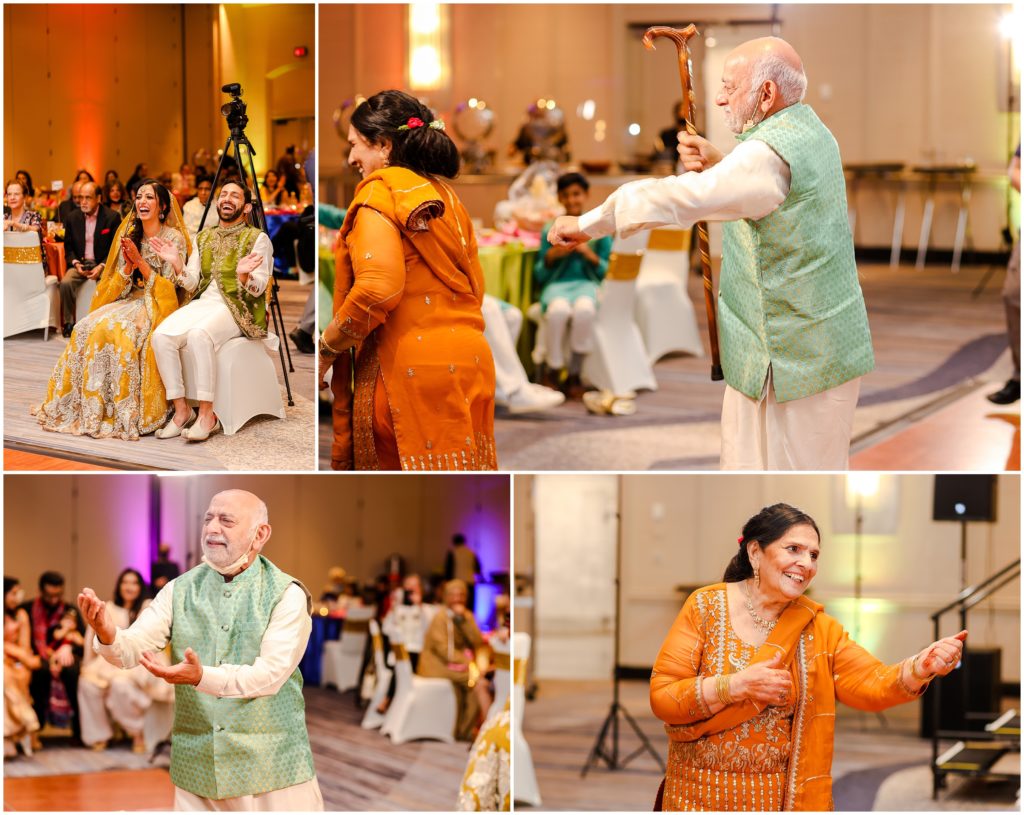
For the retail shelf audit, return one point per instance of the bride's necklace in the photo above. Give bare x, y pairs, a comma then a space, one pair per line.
760, 622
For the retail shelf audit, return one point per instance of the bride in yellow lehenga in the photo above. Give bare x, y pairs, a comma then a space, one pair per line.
106, 382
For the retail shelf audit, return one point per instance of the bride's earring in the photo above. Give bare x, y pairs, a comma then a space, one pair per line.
163, 216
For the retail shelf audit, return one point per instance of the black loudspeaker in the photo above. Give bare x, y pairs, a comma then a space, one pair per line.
964, 498
973, 688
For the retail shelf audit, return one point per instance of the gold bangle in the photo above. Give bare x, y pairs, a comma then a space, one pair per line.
325, 347
915, 674
723, 688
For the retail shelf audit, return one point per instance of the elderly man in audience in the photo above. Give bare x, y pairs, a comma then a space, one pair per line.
56, 634
449, 651
237, 627
88, 235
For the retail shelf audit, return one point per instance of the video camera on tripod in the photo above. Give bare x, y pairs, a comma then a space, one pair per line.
235, 112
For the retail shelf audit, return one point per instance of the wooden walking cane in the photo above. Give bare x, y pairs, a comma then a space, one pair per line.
680, 37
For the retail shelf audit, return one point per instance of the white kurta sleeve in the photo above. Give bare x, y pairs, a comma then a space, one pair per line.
284, 643
150, 632
750, 182
190, 275
257, 282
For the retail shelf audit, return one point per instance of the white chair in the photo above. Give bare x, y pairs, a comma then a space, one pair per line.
343, 658
664, 312
84, 298
502, 676
423, 707
30, 296
247, 383
619, 361
157, 724
373, 718
525, 789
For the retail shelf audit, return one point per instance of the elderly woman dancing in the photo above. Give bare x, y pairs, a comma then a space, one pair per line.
748, 678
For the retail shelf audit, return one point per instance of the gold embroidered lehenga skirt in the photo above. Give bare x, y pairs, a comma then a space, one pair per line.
96, 387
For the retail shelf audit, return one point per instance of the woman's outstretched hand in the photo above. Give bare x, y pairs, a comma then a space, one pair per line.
941, 657
764, 683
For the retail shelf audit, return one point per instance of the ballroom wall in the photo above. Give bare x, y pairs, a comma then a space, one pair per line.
916, 83
148, 89
682, 530
318, 522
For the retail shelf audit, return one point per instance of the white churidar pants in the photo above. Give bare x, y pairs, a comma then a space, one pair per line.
501, 329
304, 797
560, 313
812, 433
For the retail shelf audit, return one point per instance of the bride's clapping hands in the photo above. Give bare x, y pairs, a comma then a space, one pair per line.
167, 252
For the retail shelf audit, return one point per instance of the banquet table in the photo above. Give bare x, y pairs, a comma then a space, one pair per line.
325, 628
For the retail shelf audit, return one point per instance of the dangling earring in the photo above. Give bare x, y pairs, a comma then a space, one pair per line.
387, 159
163, 216
757, 578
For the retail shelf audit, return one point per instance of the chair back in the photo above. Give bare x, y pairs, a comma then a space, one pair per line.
668, 253
22, 247
521, 644
626, 257
502, 674
403, 667
378, 648
27, 302
355, 630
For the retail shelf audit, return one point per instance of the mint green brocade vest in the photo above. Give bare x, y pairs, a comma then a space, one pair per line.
218, 265
789, 296
224, 748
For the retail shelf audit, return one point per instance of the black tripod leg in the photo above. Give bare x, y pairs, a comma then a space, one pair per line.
597, 751
644, 741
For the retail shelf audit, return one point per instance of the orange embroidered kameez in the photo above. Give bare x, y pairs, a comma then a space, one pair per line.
407, 296
779, 758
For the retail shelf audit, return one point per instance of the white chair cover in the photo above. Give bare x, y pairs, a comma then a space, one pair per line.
30, 296
525, 789
374, 719
502, 675
246, 384
423, 708
84, 298
157, 724
619, 361
664, 311
343, 658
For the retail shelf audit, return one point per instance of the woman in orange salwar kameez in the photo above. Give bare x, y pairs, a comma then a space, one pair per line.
748, 678
407, 296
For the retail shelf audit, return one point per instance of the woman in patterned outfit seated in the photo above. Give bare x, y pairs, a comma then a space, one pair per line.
748, 678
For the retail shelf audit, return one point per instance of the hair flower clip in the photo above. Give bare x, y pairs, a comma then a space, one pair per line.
413, 123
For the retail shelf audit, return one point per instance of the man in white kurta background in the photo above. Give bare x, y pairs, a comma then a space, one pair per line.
228, 271
237, 627
792, 322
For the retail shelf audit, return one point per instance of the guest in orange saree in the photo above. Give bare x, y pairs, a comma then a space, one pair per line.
749, 675
407, 297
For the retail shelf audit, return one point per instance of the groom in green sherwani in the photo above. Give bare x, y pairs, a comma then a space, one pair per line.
793, 328
237, 627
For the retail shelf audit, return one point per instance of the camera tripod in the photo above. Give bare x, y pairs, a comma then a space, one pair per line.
237, 138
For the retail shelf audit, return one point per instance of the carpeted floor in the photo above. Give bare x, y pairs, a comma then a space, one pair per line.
933, 343
264, 443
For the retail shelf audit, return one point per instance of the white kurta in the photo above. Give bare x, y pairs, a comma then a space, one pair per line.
282, 647
202, 326
751, 182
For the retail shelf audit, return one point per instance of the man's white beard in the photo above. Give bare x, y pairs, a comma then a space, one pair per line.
231, 568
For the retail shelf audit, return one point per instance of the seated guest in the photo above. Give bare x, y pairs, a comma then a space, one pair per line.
406, 622
54, 684
90, 395
70, 204
135, 179
110, 177
26, 181
235, 305
570, 278
108, 695
115, 196
192, 212
448, 651
88, 236
513, 390
288, 171
272, 189
17, 216
183, 183
14, 597
83, 176
20, 721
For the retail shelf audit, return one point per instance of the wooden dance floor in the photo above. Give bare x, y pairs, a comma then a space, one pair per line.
358, 770
934, 344
114, 790
264, 443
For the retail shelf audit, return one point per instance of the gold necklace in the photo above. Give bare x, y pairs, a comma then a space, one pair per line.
760, 622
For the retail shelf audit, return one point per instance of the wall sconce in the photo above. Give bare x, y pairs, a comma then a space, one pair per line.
428, 57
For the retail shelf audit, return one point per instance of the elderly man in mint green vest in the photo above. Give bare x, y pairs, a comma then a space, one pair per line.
237, 627
793, 328
227, 277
